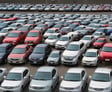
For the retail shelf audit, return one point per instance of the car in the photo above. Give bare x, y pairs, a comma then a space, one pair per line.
74, 80
65, 30
98, 34
106, 53
88, 40
40, 54
99, 42
3, 73
73, 53
54, 57
16, 79
33, 37
14, 37
52, 39
49, 32
63, 41
45, 79
5, 49
91, 58
101, 80
19, 54
4, 32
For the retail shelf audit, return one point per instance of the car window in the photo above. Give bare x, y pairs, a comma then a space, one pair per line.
81, 45
53, 73
82, 74
25, 73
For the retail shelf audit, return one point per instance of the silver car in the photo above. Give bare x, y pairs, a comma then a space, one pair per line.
54, 57
45, 80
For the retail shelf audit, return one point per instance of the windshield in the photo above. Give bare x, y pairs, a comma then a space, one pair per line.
107, 49
13, 35
72, 77
64, 29
33, 34
64, 38
57, 26
99, 40
2, 49
52, 37
14, 76
39, 50
18, 51
24, 28
97, 34
40, 25
50, 31
54, 55
101, 77
42, 76
91, 54
86, 38
4, 31
73, 47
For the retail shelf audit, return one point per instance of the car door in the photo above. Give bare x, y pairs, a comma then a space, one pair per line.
26, 77
54, 78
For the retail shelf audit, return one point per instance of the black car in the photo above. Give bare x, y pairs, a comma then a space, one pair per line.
5, 49
40, 54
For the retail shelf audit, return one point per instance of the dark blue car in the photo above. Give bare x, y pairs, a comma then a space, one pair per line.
40, 54
5, 49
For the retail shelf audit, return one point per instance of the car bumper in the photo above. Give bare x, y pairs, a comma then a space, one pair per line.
89, 63
10, 90
39, 90
36, 62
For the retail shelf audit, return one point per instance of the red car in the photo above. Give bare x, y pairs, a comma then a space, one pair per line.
14, 37
106, 53
20, 54
33, 37
99, 42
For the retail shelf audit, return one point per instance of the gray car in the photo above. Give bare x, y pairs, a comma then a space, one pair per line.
54, 57
45, 80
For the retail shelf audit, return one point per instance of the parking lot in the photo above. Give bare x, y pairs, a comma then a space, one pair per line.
62, 68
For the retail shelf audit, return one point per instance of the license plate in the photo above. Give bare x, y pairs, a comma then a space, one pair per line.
107, 59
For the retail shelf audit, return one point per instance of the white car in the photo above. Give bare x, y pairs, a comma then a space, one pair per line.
98, 34
52, 39
16, 80
90, 57
45, 80
101, 80
87, 40
74, 80
50, 32
3, 72
63, 41
73, 53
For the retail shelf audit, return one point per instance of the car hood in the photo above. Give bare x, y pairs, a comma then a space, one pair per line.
62, 42
2, 54
70, 84
89, 58
10, 39
49, 40
8, 83
96, 84
70, 53
35, 56
40, 83
106, 54
16, 55
97, 43
31, 38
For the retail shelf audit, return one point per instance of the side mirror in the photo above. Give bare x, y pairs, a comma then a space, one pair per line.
61, 77
90, 77
4, 77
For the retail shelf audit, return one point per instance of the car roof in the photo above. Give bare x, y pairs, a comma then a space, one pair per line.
55, 51
46, 69
18, 69
88, 35
75, 70
108, 44
103, 70
92, 50
75, 42
21, 46
34, 31
15, 31
41, 45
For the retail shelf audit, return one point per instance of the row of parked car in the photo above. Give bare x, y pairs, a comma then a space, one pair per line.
56, 7
47, 78
33, 37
